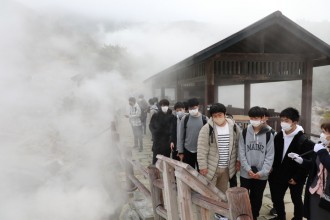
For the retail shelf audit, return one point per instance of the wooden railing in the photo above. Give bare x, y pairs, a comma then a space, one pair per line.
178, 191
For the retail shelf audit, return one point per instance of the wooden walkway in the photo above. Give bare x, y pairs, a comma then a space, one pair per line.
142, 205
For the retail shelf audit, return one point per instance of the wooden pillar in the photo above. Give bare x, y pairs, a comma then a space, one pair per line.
170, 192
306, 99
247, 97
179, 92
162, 92
209, 83
239, 203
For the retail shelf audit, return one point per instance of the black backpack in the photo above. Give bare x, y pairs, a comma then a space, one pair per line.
211, 132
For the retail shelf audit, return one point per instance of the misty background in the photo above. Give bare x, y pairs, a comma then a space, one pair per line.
66, 69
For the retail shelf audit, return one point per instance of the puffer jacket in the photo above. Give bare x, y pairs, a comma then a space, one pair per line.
207, 148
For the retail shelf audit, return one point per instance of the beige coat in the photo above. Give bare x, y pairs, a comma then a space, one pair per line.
207, 151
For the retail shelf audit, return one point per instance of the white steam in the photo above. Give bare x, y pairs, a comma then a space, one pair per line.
55, 100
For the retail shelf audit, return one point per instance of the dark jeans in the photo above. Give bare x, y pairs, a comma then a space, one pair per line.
190, 158
277, 191
175, 155
144, 125
163, 151
233, 181
256, 190
138, 137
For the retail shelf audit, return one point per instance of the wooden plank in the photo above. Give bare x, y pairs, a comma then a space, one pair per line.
208, 189
159, 183
210, 204
154, 191
161, 211
140, 168
170, 161
260, 57
170, 194
205, 214
184, 193
140, 186
129, 171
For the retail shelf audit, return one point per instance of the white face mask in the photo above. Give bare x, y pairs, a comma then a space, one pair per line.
164, 109
255, 123
193, 112
179, 114
219, 121
323, 139
286, 126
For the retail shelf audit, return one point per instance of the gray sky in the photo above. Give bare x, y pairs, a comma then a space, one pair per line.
236, 11
156, 36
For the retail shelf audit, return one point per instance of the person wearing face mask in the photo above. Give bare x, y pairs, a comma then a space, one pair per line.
256, 154
189, 129
160, 127
179, 113
285, 172
318, 182
217, 149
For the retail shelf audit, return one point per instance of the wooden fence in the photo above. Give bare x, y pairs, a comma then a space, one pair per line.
178, 191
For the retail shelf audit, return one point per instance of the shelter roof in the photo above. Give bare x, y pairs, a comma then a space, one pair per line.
275, 34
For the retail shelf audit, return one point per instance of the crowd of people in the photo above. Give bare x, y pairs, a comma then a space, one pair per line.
217, 147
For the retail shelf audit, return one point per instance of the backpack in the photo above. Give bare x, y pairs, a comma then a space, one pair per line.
211, 132
204, 119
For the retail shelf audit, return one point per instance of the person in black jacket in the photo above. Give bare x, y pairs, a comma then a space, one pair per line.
179, 113
319, 173
286, 173
160, 127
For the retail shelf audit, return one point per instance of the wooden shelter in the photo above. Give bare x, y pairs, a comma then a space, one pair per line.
273, 49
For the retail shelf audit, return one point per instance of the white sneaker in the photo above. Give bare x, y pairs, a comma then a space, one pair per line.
219, 217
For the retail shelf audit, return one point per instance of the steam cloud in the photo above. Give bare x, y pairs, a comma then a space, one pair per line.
55, 98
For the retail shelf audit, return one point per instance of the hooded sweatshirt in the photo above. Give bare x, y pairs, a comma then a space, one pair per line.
289, 137
256, 152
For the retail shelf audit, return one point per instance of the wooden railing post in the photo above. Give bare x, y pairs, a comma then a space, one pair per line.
129, 172
170, 192
155, 192
184, 193
239, 203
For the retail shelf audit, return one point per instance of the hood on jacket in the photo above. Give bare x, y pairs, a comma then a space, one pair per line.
264, 129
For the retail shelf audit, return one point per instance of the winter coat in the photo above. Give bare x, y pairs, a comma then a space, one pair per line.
207, 148
160, 127
286, 168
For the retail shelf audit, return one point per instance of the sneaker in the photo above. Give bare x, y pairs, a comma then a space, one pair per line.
273, 212
219, 217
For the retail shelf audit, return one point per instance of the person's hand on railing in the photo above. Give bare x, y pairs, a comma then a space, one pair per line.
181, 156
203, 172
172, 146
238, 165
